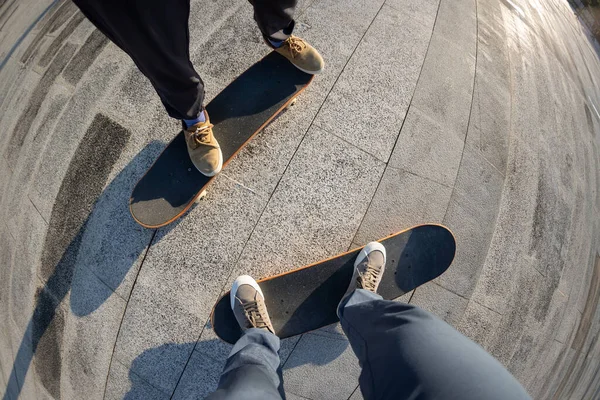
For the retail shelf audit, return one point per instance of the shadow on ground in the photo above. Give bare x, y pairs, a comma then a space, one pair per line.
91, 244
202, 373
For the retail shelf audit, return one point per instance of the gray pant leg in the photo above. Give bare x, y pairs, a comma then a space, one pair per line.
252, 370
407, 353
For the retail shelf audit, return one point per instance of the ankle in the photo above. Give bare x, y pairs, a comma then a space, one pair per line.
275, 43
199, 119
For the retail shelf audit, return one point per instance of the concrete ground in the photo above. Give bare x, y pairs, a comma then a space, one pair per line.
479, 114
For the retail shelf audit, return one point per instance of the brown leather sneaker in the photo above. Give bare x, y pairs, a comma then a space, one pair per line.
203, 148
304, 57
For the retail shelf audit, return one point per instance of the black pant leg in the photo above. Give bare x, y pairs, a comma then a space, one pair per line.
274, 15
155, 34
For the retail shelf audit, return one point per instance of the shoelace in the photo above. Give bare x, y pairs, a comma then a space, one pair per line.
200, 135
368, 280
254, 315
296, 45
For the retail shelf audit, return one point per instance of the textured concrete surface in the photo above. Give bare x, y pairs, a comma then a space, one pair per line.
482, 115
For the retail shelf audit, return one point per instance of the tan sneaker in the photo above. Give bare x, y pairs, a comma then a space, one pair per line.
304, 57
368, 270
248, 304
203, 148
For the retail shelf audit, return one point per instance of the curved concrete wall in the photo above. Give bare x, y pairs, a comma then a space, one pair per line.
479, 114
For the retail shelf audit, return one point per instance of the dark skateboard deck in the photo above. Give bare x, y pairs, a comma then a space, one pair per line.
306, 299
239, 112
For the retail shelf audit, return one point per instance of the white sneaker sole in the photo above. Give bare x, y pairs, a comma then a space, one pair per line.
239, 281
309, 72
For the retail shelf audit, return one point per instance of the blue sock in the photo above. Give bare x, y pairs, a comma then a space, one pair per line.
190, 122
275, 43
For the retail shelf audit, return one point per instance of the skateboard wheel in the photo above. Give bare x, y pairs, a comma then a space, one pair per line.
291, 103
202, 196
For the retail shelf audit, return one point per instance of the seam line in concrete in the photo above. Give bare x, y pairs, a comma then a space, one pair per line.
354, 391
351, 144
291, 352
194, 348
488, 161
486, 307
476, 92
131, 371
417, 175
36, 209
411, 296
284, 362
435, 282
510, 136
538, 271
112, 357
401, 126
107, 286
462, 155
417, 83
7, 163
24, 35
9, 231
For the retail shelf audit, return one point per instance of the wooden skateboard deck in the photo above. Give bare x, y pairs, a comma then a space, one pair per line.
239, 112
306, 299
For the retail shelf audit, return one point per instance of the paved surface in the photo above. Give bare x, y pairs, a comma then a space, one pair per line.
479, 114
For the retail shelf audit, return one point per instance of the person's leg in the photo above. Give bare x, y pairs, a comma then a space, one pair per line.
253, 368
155, 34
275, 20
406, 352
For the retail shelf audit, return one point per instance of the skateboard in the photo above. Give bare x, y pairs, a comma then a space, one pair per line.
172, 184
306, 298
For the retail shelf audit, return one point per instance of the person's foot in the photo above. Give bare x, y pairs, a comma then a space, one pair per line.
368, 269
248, 304
304, 57
203, 148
